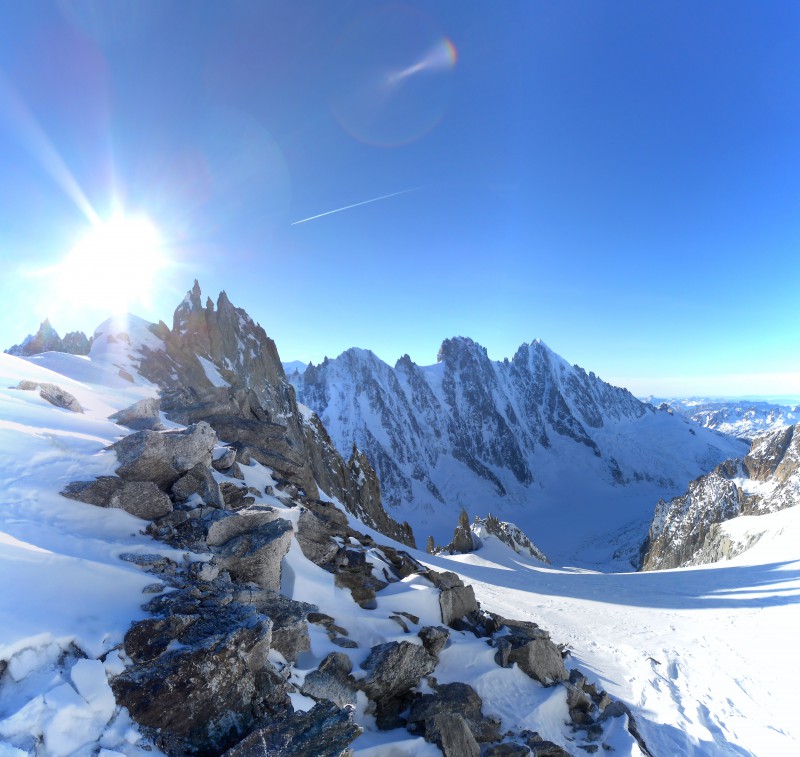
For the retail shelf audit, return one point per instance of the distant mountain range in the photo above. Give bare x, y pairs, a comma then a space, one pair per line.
743, 418
576, 462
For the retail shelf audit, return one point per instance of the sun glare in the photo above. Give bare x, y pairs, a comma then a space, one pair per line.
115, 266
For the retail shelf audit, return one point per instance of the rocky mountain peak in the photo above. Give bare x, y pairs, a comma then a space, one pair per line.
219, 366
46, 339
460, 350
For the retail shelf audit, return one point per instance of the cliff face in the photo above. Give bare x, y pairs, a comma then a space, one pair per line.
686, 530
217, 365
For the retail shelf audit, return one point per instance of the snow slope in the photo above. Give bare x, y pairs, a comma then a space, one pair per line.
704, 656
67, 598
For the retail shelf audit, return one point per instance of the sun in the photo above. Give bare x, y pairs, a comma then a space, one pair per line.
115, 266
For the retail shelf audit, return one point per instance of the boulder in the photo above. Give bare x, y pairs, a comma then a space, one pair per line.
451, 734
434, 639
199, 480
536, 655
225, 461
256, 555
394, 668
457, 603
238, 497
210, 688
324, 731
142, 499
98, 492
453, 698
163, 457
141, 415
53, 394
332, 681
227, 525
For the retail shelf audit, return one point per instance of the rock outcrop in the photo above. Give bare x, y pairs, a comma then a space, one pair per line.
508, 533
688, 529
217, 365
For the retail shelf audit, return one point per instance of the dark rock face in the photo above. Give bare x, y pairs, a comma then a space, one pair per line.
686, 530
219, 366
394, 668
46, 339
324, 731
210, 691
53, 394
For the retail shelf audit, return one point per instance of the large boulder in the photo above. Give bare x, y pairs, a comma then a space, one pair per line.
207, 690
456, 601
450, 732
332, 681
530, 647
53, 394
140, 498
199, 480
324, 731
163, 457
394, 668
453, 699
141, 415
255, 556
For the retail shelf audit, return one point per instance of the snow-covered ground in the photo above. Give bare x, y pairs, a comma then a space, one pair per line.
705, 657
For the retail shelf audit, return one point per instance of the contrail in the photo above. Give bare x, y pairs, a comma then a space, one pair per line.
356, 204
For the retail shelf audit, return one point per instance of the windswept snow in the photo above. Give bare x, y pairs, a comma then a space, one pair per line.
705, 657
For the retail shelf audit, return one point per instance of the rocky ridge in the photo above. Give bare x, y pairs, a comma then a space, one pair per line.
218, 366
506, 436
46, 339
687, 529
744, 419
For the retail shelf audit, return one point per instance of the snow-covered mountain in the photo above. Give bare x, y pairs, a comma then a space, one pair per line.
743, 418
231, 606
692, 529
543, 444
175, 580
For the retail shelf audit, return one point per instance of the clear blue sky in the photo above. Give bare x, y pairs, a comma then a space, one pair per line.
619, 179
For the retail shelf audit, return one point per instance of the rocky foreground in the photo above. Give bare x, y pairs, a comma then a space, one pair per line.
296, 619
212, 670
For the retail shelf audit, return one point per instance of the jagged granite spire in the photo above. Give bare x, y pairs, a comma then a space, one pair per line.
218, 365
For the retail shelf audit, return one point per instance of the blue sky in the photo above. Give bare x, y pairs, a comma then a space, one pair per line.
619, 179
